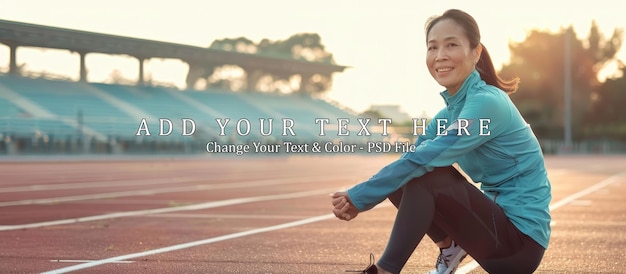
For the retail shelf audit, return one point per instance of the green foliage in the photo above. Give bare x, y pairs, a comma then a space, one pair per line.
306, 47
302, 46
608, 116
372, 114
240, 44
539, 63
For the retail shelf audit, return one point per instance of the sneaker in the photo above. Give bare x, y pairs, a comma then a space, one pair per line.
371, 269
449, 259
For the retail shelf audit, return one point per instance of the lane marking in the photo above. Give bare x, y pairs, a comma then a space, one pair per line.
581, 203
222, 216
200, 206
200, 242
465, 269
96, 196
192, 244
98, 184
88, 261
586, 191
126, 182
604, 183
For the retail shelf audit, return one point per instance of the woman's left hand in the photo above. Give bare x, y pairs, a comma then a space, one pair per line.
344, 210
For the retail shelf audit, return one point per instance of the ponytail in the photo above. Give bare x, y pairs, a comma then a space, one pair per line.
488, 74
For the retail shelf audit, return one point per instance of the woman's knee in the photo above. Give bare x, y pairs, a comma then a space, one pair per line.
438, 177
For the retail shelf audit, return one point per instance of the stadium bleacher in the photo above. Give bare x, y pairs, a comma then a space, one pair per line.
49, 111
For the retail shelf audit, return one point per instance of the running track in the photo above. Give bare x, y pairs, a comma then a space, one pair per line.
259, 215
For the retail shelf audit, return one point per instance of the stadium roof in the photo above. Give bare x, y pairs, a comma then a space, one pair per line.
16, 34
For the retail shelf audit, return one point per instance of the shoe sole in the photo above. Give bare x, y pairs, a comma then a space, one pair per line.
456, 261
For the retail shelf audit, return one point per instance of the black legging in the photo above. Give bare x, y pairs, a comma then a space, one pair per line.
443, 203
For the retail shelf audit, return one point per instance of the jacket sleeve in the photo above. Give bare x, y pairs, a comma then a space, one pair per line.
431, 128
483, 117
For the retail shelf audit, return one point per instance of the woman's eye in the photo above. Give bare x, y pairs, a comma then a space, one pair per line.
432, 48
452, 45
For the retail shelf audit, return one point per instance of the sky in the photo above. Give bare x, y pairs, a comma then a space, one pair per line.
382, 43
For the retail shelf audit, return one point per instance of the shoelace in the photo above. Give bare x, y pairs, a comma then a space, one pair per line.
442, 259
364, 271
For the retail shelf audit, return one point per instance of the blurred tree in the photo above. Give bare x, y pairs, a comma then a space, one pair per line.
303, 46
116, 77
539, 62
240, 44
212, 74
316, 83
372, 114
609, 114
197, 71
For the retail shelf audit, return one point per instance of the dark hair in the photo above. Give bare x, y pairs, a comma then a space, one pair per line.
485, 65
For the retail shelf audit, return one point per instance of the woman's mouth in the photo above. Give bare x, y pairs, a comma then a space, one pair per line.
446, 69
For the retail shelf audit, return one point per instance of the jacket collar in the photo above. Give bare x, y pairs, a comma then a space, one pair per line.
471, 80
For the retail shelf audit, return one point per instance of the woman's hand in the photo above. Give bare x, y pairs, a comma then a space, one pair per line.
344, 210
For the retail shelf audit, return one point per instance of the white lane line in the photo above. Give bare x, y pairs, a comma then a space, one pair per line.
191, 244
206, 205
98, 184
112, 183
604, 183
581, 203
223, 216
147, 192
586, 191
200, 242
87, 261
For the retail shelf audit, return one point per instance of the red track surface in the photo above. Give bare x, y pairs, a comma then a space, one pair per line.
238, 204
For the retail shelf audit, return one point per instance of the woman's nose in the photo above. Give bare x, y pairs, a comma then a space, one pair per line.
441, 55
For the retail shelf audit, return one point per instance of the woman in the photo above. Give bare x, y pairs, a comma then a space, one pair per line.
506, 226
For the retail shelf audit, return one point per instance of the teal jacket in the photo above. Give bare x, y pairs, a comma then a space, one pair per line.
487, 137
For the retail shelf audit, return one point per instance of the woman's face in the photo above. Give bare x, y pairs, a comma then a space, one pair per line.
449, 57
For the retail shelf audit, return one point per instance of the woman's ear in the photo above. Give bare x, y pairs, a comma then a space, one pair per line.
477, 52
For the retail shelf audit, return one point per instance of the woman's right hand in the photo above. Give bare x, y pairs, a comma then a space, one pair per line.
343, 208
